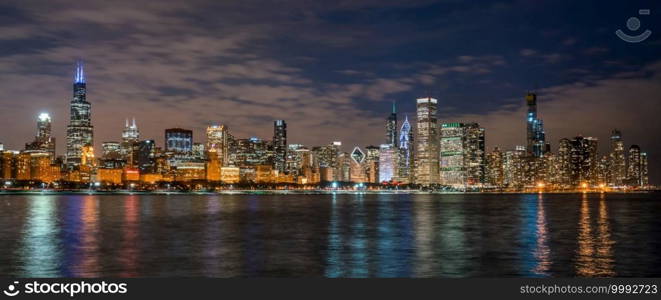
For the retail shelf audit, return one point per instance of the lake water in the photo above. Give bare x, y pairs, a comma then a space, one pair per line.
331, 235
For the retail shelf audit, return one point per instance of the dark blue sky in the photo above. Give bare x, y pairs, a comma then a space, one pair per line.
332, 69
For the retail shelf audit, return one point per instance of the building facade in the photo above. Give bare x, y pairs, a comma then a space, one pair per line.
80, 132
280, 145
178, 140
535, 136
427, 145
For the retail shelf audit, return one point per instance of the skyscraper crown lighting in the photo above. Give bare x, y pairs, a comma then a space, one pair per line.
80, 73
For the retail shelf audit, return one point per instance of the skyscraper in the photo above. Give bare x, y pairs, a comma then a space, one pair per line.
280, 145
80, 132
495, 172
634, 171
536, 144
43, 140
474, 154
406, 166
391, 127
130, 137
218, 143
388, 164
462, 154
427, 145
578, 160
514, 167
357, 166
327, 158
644, 176
179, 140
618, 168
146, 156
452, 166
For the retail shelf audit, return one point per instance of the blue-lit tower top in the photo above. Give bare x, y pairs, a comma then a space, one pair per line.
80, 73
535, 136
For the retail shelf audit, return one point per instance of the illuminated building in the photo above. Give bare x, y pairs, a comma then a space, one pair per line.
251, 152
280, 145
603, 170
188, 171
452, 165
218, 143
294, 158
391, 127
514, 167
111, 157
37, 166
579, 160
151, 178
372, 163
634, 171
343, 170
388, 156
644, 176
357, 168
87, 165
23, 169
462, 154
618, 167
110, 150
328, 161
87, 156
301, 163
198, 153
179, 140
427, 145
7, 164
474, 153
130, 137
43, 140
230, 175
80, 131
146, 156
536, 144
495, 172
109, 176
213, 166
264, 174
130, 174
406, 166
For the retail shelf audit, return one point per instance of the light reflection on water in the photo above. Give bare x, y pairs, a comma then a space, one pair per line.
336, 235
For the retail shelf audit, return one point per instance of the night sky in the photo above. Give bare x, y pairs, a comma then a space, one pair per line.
331, 69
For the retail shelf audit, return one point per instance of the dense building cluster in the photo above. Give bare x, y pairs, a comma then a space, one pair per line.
428, 154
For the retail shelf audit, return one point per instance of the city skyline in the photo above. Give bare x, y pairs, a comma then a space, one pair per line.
447, 154
331, 108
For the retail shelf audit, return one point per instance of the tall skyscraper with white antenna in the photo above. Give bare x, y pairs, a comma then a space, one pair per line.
80, 132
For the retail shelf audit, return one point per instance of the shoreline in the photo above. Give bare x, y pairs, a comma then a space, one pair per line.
303, 192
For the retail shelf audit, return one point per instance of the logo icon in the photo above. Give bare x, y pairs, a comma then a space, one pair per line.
13, 290
633, 24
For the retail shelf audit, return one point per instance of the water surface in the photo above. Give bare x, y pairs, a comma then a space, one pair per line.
333, 235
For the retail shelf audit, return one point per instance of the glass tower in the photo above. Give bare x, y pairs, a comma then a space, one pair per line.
391, 127
427, 144
536, 145
80, 130
280, 145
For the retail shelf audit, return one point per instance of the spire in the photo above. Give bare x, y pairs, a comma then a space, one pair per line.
127, 123
394, 109
80, 73
134, 123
